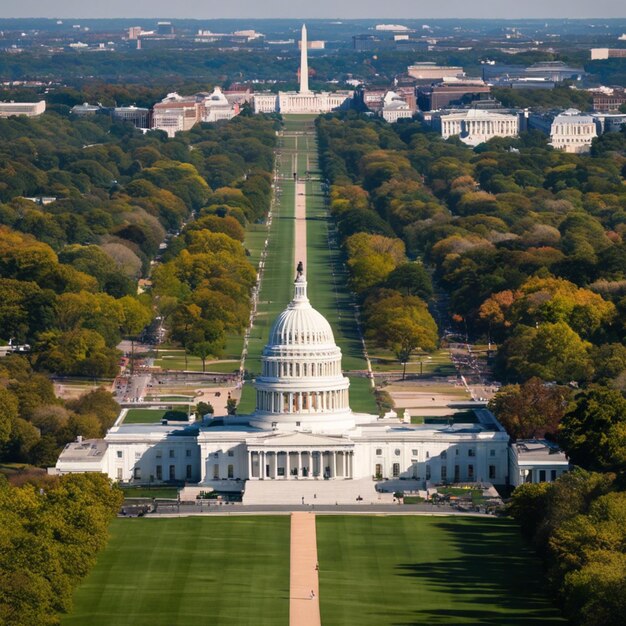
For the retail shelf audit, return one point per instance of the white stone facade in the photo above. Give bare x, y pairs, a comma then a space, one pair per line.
573, 132
536, 461
395, 108
29, 109
474, 126
302, 429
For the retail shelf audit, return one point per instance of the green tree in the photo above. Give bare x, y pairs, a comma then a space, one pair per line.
8, 413
593, 432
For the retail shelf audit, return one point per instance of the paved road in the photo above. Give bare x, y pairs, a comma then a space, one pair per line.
185, 510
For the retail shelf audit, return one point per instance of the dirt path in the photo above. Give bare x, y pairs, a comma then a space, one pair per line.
300, 238
304, 608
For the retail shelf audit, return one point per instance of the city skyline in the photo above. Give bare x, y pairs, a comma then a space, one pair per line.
324, 9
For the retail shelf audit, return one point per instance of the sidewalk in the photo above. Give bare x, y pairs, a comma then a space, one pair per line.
304, 607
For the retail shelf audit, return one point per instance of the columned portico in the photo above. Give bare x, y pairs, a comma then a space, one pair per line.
300, 463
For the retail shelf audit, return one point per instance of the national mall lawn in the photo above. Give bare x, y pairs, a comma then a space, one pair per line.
189, 571
374, 570
405, 570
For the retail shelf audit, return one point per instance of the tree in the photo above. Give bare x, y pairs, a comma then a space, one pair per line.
552, 352
400, 323
532, 409
412, 279
593, 432
204, 408
205, 349
528, 506
371, 258
8, 413
100, 403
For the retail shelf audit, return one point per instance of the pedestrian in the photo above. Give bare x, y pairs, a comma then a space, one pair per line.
302, 499
312, 594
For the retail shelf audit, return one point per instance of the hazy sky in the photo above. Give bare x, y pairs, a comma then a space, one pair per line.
204, 9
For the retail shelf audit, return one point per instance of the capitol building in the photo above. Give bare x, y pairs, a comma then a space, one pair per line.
302, 433
303, 101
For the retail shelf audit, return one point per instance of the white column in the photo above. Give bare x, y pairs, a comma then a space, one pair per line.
287, 466
334, 464
249, 464
345, 464
299, 463
262, 465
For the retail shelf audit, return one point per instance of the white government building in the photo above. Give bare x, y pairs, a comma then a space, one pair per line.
573, 131
303, 101
475, 126
302, 430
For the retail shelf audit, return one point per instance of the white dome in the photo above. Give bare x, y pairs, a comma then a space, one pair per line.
301, 385
300, 324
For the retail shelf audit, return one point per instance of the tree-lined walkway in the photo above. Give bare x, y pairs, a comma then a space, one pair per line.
300, 234
304, 607
300, 231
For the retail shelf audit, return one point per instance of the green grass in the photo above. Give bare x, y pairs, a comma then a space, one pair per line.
152, 416
150, 492
361, 396
182, 572
402, 570
436, 364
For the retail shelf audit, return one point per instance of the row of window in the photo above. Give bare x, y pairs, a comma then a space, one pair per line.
469, 475
158, 473
159, 454
443, 454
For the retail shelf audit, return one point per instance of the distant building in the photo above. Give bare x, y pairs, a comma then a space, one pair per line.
572, 131
450, 92
137, 116
175, 114
165, 28
539, 75
313, 45
29, 109
556, 71
409, 95
134, 32
371, 99
266, 102
432, 71
178, 113
609, 122
367, 43
393, 27
395, 108
609, 102
599, 54
475, 126
85, 109
535, 461
216, 106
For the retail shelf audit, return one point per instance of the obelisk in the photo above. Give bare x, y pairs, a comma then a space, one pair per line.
304, 62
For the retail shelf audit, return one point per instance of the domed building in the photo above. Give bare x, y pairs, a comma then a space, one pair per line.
302, 386
302, 433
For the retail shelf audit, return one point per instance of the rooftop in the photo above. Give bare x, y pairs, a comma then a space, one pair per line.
90, 450
533, 450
